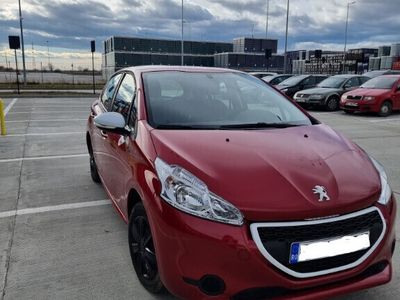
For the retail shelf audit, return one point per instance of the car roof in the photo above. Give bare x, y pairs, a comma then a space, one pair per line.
348, 75
389, 76
144, 69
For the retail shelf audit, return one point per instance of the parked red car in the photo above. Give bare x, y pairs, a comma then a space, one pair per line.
232, 191
380, 95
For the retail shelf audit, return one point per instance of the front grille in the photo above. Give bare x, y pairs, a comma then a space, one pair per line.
351, 97
275, 241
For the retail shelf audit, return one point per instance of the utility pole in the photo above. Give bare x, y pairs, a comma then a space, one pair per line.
286, 38
48, 54
33, 58
266, 25
93, 49
73, 79
182, 49
41, 70
345, 34
16, 68
22, 41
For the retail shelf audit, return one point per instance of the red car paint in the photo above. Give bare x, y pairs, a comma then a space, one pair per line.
267, 174
349, 103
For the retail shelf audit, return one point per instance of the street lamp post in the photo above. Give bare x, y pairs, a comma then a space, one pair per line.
345, 34
286, 38
182, 50
267, 21
22, 41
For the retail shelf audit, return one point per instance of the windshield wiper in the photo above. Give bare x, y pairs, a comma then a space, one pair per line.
178, 126
258, 125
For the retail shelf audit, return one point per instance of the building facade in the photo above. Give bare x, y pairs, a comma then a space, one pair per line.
243, 53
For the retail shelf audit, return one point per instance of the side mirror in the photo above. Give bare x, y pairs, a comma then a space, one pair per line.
111, 122
398, 88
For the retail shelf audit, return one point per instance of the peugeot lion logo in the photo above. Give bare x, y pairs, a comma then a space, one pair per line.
321, 191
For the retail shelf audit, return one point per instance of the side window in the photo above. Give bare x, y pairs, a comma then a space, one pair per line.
308, 81
124, 97
109, 90
352, 82
363, 80
319, 79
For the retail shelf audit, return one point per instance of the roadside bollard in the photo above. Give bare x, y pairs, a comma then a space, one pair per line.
2, 118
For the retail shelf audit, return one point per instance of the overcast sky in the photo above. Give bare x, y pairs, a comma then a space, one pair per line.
69, 25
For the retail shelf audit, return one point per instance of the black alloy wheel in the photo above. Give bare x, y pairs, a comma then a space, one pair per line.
142, 250
332, 104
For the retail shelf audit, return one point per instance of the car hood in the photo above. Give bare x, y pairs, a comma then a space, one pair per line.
368, 92
270, 174
319, 91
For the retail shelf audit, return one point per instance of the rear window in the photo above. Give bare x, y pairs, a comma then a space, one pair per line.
381, 82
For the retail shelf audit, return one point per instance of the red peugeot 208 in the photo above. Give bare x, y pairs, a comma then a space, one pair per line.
232, 191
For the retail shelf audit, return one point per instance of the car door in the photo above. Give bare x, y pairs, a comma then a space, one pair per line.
119, 159
396, 95
99, 143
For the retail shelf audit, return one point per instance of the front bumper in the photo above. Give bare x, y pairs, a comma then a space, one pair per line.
360, 106
309, 100
189, 248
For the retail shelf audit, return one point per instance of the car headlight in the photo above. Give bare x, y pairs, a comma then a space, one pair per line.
369, 98
317, 96
386, 191
186, 192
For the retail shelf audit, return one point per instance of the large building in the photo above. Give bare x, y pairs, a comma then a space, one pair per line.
121, 52
243, 53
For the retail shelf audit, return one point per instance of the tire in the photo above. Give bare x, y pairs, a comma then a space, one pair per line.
141, 248
386, 109
93, 170
332, 104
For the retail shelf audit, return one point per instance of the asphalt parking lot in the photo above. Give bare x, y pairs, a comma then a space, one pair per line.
59, 236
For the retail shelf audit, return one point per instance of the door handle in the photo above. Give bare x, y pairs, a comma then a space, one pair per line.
103, 134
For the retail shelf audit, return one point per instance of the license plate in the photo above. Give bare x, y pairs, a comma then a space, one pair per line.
306, 251
351, 104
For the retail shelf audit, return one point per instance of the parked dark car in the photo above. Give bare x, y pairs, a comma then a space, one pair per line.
328, 92
262, 74
276, 79
297, 83
380, 95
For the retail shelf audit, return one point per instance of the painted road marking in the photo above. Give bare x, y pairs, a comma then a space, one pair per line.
45, 120
42, 157
385, 120
86, 111
36, 210
45, 134
9, 106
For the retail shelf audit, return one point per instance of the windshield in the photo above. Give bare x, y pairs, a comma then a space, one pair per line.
180, 100
293, 80
381, 82
332, 82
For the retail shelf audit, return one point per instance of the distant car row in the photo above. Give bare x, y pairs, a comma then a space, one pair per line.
351, 93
